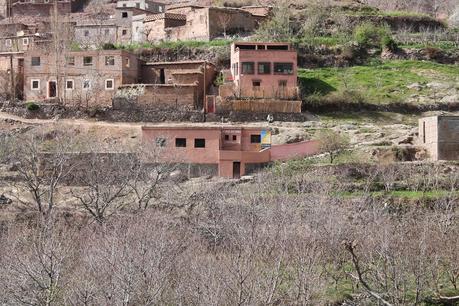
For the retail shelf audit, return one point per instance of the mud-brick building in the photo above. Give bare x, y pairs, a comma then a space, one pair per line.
262, 78
178, 85
43, 8
80, 78
440, 136
198, 22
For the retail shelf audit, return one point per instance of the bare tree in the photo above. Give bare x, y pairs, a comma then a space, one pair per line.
42, 165
333, 143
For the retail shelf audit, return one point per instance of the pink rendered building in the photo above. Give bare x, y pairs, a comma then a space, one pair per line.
264, 70
226, 151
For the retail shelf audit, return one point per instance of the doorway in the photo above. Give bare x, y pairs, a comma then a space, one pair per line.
52, 89
237, 170
162, 77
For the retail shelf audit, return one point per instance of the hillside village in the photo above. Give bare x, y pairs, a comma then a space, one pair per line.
229, 152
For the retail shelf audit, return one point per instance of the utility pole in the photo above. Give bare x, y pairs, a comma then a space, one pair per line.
12, 79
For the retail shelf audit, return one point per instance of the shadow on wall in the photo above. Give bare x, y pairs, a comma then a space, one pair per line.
309, 86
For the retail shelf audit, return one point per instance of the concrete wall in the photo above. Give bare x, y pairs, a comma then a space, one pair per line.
440, 136
295, 150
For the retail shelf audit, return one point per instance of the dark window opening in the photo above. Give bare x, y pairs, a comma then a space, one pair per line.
283, 68
246, 47
87, 61
86, 33
35, 61
199, 143
256, 83
227, 137
160, 142
264, 68
248, 68
69, 84
234, 137
180, 142
282, 47
52, 89
162, 77
124, 32
261, 47
255, 138
124, 15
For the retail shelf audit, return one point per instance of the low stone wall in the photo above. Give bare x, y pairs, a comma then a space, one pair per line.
259, 106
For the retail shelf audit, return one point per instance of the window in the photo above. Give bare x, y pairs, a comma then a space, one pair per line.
160, 142
226, 137
109, 84
128, 62
234, 138
256, 83
124, 32
283, 68
109, 61
86, 33
70, 60
35, 61
86, 84
180, 142
255, 138
25, 41
87, 61
69, 84
264, 68
124, 14
248, 68
199, 143
35, 84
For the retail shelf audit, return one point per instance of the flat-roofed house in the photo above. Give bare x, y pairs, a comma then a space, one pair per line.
80, 78
230, 151
262, 78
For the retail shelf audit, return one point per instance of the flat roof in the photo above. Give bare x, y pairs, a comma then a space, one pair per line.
199, 126
177, 63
